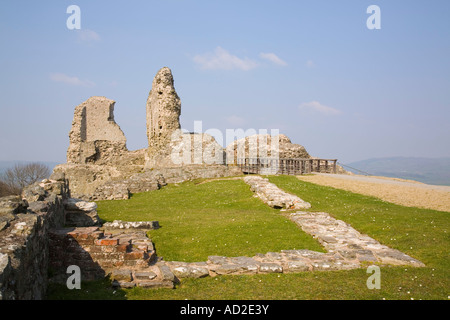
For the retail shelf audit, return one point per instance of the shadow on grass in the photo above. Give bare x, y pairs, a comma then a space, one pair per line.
90, 290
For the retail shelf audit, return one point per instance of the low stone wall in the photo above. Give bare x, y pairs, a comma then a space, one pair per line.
93, 182
274, 196
346, 249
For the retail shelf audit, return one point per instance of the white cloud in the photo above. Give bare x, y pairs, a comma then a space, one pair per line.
235, 120
317, 107
88, 35
272, 57
222, 59
310, 64
74, 81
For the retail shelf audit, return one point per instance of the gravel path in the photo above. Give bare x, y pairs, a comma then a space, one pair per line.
403, 192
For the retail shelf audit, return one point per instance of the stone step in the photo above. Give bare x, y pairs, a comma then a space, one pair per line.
155, 276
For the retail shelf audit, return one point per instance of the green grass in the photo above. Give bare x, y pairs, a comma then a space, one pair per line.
421, 233
416, 232
214, 218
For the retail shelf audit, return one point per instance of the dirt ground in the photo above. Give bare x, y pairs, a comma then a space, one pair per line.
404, 192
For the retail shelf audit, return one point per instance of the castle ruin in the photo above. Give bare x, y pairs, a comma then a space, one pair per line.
53, 225
99, 165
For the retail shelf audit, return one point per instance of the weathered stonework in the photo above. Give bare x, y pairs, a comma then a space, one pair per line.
120, 250
95, 138
24, 239
194, 149
264, 146
163, 117
168, 145
100, 167
96, 182
97, 152
81, 213
274, 196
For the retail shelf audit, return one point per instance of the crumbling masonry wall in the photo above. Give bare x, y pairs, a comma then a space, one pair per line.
24, 231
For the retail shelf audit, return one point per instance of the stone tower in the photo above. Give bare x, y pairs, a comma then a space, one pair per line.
163, 117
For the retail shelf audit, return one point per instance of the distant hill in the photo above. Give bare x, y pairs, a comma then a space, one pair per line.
426, 170
4, 165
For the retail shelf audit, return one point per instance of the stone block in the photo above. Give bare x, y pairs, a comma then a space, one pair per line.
123, 284
144, 275
266, 267
297, 266
155, 284
121, 275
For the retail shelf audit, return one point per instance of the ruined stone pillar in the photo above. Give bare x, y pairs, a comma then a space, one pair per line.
163, 117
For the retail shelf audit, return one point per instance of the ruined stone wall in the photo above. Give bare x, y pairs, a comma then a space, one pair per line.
264, 146
24, 247
26, 223
95, 138
99, 165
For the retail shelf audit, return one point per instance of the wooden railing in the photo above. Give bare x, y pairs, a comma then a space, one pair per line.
286, 166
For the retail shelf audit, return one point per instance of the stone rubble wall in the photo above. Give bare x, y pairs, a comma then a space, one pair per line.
91, 183
26, 223
24, 249
79, 213
273, 196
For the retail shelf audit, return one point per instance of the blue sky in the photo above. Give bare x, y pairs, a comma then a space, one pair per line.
311, 69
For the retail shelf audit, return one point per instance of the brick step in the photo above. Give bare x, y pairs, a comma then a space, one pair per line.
96, 252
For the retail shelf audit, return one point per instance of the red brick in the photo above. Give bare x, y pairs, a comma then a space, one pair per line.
107, 242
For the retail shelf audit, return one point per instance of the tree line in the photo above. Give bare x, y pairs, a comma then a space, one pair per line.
14, 179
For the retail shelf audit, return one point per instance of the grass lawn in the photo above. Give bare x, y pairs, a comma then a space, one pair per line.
222, 217
214, 218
